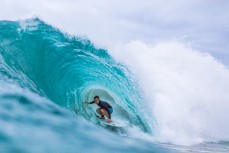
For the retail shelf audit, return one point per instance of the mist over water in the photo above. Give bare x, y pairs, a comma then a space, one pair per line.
186, 90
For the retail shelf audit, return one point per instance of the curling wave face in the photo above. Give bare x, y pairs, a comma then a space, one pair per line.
68, 70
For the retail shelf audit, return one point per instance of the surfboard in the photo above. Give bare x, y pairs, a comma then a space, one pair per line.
113, 124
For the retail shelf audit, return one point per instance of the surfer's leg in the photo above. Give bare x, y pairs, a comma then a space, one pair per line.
98, 110
104, 112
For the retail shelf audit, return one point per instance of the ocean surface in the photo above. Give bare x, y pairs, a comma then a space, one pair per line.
47, 75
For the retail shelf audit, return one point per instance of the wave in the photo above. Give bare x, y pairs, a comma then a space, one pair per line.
171, 92
68, 70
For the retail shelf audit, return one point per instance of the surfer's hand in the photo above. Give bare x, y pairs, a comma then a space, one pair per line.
109, 120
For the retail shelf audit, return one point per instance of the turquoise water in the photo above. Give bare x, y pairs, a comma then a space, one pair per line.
46, 75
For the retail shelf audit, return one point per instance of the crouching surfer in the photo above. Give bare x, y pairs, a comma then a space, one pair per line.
104, 108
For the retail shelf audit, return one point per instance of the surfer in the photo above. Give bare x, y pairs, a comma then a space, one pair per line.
104, 108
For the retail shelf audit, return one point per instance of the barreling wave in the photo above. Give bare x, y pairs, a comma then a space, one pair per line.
183, 90
67, 70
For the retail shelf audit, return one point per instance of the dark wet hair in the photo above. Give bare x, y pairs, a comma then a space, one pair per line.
96, 97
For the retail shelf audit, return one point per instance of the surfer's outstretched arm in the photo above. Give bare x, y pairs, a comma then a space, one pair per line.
90, 102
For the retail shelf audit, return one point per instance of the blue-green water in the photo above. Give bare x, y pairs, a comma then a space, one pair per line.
46, 75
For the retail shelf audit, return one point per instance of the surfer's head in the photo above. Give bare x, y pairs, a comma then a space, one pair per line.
96, 99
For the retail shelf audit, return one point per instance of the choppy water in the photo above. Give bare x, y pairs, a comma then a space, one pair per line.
46, 75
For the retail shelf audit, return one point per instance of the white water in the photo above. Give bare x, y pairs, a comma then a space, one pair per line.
186, 90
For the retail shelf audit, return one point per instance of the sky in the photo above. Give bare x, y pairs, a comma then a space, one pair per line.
203, 24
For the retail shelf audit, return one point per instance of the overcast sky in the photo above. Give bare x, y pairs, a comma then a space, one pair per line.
202, 23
